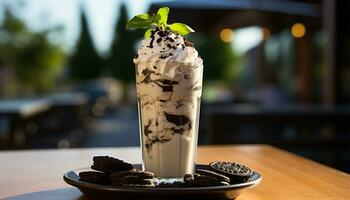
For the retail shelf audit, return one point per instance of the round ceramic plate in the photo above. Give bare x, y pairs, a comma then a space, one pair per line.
96, 191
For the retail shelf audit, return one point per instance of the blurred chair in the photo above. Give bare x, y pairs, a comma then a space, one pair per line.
64, 124
18, 120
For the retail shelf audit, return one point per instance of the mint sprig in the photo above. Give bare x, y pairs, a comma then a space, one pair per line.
163, 14
150, 22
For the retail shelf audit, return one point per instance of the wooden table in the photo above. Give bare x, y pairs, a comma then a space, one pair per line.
285, 176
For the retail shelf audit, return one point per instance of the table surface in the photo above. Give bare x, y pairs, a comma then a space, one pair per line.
285, 175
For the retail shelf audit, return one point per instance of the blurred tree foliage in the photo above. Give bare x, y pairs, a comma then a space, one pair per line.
123, 50
33, 58
85, 63
218, 57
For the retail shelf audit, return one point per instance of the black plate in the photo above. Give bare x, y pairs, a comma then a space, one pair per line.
111, 192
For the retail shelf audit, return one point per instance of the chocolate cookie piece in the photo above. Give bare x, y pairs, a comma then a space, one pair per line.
198, 180
133, 173
139, 183
109, 164
236, 172
133, 178
189, 180
94, 177
178, 120
131, 181
213, 175
205, 181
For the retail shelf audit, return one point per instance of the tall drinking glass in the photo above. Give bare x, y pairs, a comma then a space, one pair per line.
168, 108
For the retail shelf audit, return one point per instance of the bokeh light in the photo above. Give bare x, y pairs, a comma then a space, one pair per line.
298, 30
226, 35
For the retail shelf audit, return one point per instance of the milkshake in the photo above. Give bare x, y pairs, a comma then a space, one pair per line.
169, 87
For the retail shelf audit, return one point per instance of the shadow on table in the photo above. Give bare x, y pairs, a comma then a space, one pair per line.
60, 194
56, 194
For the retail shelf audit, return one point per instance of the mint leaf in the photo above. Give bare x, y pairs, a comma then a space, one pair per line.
181, 28
139, 21
163, 13
155, 18
158, 20
148, 33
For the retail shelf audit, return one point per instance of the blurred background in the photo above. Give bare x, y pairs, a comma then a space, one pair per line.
276, 72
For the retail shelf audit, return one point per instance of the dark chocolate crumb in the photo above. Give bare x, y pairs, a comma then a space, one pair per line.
178, 120
146, 130
166, 85
146, 80
167, 88
150, 142
152, 39
164, 56
168, 82
146, 72
163, 33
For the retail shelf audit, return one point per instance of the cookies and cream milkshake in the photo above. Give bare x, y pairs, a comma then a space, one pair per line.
169, 87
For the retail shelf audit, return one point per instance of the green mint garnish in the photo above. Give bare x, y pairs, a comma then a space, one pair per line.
181, 28
163, 13
148, 33
141, 20
150, 22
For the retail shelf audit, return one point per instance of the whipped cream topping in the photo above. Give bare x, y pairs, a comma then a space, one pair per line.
164, 51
